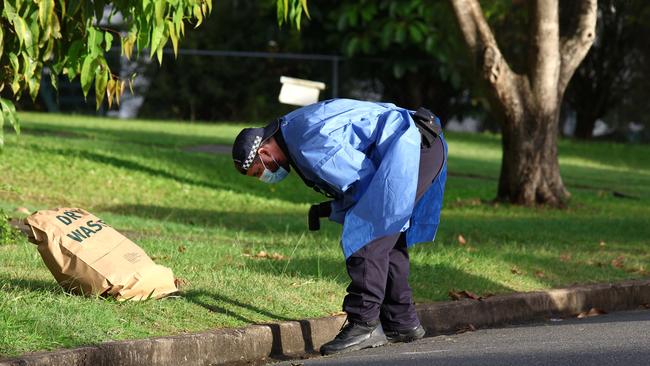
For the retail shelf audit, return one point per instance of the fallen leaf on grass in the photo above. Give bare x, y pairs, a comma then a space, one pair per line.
539, 274
180, 282
467, 328
463, 295
592, 312
23, 210
182, 249
640, 271
618, 262
565, 257
515, 270
461, 240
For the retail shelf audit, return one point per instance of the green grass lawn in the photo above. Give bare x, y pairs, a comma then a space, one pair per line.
195, 214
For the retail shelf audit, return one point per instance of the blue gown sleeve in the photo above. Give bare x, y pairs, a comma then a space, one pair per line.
345, 167
348, 170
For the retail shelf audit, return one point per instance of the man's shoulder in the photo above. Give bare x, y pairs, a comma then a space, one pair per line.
334, 107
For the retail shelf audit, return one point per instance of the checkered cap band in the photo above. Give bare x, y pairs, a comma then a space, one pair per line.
251, 154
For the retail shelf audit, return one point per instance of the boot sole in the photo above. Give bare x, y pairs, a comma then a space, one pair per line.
369, 343
406, 338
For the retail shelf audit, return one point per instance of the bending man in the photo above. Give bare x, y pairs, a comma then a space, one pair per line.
384, 168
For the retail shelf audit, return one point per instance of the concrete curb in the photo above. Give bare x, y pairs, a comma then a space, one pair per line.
296, 338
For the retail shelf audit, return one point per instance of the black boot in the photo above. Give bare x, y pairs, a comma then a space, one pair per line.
356, 336
405, 335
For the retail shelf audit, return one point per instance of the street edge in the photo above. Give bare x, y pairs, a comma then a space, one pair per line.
292, 339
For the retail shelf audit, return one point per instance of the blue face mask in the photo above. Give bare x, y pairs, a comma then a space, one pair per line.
273, 177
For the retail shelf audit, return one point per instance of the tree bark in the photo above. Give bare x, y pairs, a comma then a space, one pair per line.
529, 103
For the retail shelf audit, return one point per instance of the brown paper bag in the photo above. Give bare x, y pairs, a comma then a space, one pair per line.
87, 256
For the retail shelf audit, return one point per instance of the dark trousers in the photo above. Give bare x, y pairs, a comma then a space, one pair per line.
379, 271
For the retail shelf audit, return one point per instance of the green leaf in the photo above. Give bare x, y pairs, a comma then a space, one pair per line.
178, 19
9, 10
156, 37
55, 27
159, 9
37, 41
1, 41
101, 80
110, 92
280, 12
62, 6
172, 34
54, 80
108, 39
15, 64
286, 9
92, 35
88, 71
9, 114
49, 50
73, 61
45, 11
159, 55
22, 32
33, 70
415, 33
198, 15
304, 7
182, 28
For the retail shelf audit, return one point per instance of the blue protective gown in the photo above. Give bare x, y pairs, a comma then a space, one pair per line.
368, 154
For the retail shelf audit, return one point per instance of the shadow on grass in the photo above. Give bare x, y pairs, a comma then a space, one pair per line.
563, 231
209, 301
128, 164
30, 285
259, 222
430, 282
205, 171
140, 137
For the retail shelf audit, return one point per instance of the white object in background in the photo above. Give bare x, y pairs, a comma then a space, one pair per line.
299, 91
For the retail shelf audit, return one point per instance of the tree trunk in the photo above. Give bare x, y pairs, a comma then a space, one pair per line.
530, 171
529, 102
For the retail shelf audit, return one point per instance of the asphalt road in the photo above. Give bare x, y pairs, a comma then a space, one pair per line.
620, 339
